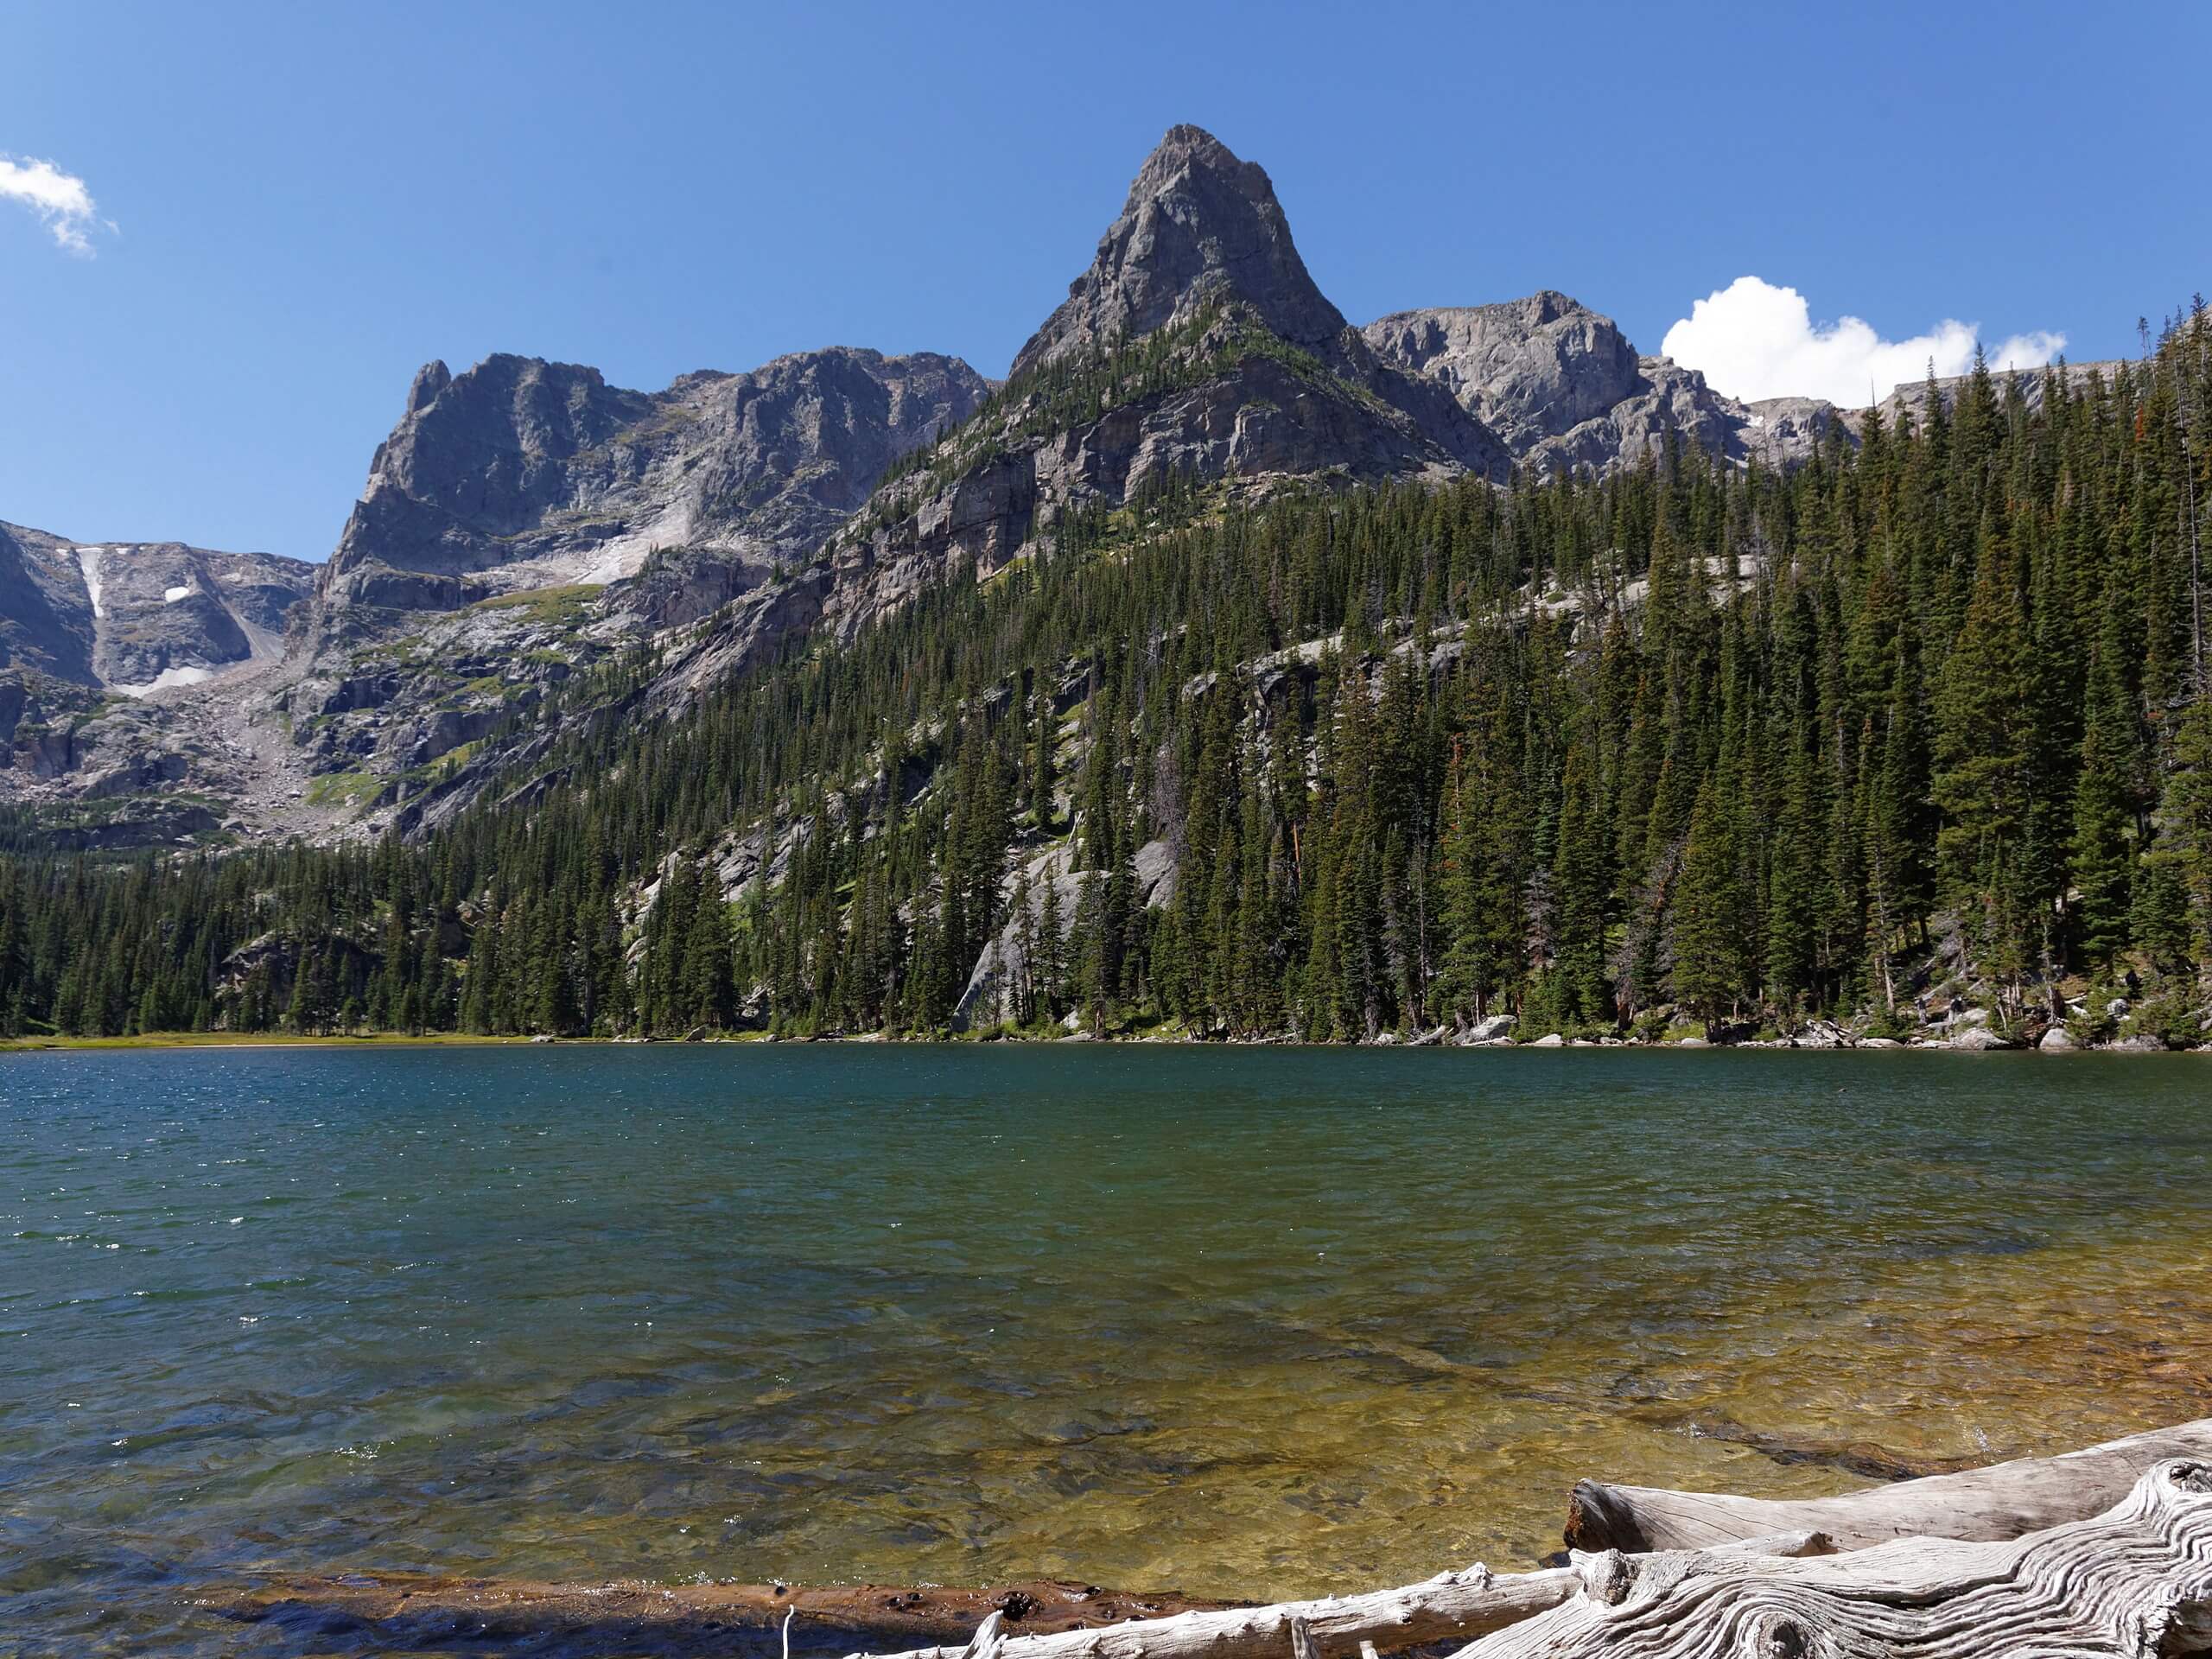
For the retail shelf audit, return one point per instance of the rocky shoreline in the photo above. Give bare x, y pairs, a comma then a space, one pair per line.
1830, 1038
2096, 1551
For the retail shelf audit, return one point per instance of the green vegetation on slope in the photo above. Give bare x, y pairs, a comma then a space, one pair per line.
1081, 389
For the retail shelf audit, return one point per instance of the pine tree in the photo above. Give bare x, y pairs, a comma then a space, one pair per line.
1981, 779
704, 992
1709, 934
2101, 853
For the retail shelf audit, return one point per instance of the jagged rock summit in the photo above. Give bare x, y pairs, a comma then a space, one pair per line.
1202, 232
1532, 369
1194, 346
524, 519
1199, 226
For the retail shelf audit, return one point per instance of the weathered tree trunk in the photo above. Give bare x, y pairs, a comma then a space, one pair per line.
2133, 1583
1450, 1606
2005, 1501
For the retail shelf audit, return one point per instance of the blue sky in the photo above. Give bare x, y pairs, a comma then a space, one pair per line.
293, 206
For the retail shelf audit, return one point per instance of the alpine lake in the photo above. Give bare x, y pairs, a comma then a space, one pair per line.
1249, 1322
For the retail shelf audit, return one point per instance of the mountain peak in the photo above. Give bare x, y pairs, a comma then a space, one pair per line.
431, 379
1200, 225
1185, 147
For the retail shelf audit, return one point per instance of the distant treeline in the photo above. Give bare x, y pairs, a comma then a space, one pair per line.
1695, 742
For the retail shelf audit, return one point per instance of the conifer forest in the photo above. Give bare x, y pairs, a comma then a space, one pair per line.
1920, 725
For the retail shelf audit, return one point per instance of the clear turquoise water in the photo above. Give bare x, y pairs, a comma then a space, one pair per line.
1235, 1321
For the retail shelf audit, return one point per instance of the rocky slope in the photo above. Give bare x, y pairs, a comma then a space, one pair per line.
116, 658
46, 617
523, 520
138, 617
526, 519
1563, 388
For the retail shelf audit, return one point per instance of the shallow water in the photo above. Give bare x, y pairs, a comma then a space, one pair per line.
1246, 1322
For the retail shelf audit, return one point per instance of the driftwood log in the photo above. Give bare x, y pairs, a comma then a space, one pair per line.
2133, 1583
1452, 1606
404, 1612
2005, 1501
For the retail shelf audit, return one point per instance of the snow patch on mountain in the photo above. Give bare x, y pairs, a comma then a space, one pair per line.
163, 681
88, 561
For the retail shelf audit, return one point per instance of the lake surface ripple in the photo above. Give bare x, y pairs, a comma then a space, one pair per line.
1240, 1322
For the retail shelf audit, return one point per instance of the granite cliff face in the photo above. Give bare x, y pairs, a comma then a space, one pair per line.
45, 621
1563, 388
526, 519
522, 474
1533, 370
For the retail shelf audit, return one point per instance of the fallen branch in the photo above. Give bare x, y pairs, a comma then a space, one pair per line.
2133, 1583
2005, 1501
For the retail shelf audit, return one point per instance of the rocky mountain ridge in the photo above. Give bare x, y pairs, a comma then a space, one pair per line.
1195, 345
1564, 389
525, 520
519, 474
1912, 400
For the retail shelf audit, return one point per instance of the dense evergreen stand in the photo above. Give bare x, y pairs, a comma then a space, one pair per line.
1692, 743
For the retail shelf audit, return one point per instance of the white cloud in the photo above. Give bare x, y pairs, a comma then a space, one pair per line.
60, 200
1753, 339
